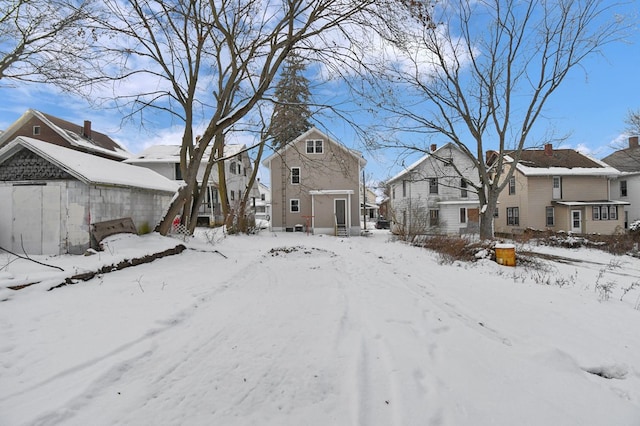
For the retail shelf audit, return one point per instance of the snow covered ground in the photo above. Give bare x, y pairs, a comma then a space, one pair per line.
291, 329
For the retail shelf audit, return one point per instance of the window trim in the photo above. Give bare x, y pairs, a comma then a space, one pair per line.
433, 185
552, 216
36, 130
434, 217
623, 191
512, 185
513, 216
463, 189
292, 202
293, 174
463, 215
314, 146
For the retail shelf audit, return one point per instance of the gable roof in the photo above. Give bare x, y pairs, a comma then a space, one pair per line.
89, 168
73, 134
354, 153
625, 160
171, 154
561, 162
416, 164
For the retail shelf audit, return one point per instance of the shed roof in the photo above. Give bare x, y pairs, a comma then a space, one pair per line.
561, 162
90, 168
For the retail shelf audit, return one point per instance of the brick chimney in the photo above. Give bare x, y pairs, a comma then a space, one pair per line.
548, 150
633, 141
433, 147
86, 130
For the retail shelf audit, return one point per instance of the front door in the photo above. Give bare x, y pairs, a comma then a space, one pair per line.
341, 211
576, 221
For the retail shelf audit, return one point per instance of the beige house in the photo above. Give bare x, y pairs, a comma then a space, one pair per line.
559, 190
315, 186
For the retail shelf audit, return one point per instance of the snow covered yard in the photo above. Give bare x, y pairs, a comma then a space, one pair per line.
291, 329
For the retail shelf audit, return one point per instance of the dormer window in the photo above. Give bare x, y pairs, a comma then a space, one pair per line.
36, 130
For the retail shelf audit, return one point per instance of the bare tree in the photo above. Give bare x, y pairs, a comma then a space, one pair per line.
211, 61
633, 122
479, 74
44, 41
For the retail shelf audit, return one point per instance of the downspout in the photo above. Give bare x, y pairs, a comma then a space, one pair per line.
349, 214
313, 214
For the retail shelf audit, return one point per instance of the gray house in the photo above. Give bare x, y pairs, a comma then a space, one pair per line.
51, 195
626, 186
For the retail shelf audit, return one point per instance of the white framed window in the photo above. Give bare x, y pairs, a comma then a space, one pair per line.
232, 167
463, 188
604, 213
36, 130
596, 212
294, 205
295, 175
550, 214
434, 217
315, 146
433, 185
233, 195
513, 216
623, 188
613, 212
512, 185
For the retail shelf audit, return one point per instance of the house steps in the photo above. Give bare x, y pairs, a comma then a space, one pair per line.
341, 231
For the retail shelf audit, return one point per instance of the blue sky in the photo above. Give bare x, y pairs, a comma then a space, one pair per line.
590, 107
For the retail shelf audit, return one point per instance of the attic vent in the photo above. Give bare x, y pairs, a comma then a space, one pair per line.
36, 130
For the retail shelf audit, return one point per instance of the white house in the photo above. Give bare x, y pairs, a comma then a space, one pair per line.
51, 195
434, 194
165, 160
626, 186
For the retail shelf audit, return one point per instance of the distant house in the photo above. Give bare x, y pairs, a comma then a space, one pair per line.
51, 195
626, 187
369, 207
315, 184
559, 190
165, 160
262, 204
37, 125
434, 194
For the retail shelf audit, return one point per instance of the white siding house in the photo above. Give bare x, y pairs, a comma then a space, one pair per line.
434, 195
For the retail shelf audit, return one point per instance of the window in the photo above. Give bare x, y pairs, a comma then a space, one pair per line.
463, 188
404, 188
240, 169
295, 205
433, 185
513, 216
263, 197
232, 167
393, 193
613, 212
496, 212
36, 130
604, 213
178, 172
463, 215
434, 217
623, 188
233, 195
596, 212
557, 188
512, 185
550, 213
295, 175
315, 147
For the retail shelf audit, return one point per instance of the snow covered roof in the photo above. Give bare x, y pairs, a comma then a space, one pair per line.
90, 168
421, 160
73, 134
171, 154
561, 162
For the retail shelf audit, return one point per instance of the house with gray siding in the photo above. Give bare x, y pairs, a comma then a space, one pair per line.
51, 195
434, 195
315, 186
